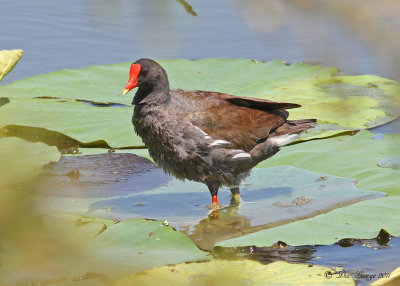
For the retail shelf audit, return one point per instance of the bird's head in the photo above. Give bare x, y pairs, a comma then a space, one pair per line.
145, 74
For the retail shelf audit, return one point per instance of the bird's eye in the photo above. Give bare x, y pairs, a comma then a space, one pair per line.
144, 72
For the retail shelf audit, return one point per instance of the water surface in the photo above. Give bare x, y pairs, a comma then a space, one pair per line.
73, 34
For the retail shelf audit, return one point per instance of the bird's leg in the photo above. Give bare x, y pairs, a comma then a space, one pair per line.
213, 188
235, 195
215, 200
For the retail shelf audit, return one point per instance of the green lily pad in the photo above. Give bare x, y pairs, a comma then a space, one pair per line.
137, 244
341, 103
105, 83
361, 220
346, 156
235, 273
96, 250
270, 197
90, 126
22, 160
8, 59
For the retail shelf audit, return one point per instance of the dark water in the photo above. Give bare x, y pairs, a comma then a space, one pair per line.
73, 34
365, 260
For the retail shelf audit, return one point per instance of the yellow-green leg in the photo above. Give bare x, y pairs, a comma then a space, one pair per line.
235, 195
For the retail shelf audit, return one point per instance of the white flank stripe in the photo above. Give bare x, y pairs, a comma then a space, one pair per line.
241, 155
219, 142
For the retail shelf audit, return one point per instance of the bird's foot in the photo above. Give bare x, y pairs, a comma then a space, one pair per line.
214, 207
235, 200
215, 204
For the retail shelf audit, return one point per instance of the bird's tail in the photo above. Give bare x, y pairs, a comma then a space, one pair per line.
285, 134
293, 127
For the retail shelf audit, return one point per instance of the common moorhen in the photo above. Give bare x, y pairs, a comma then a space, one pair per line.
208, 137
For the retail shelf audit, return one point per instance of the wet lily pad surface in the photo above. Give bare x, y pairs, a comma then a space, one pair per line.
100, 176
270, 196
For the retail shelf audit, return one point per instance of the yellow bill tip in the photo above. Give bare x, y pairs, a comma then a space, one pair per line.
125, 91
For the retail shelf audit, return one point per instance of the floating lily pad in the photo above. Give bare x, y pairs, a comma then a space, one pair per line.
95, 250
346, 156
21, 160
361, 220
235, 273
271, 197
105, 83
137, 244
340, 103
100, 126
8, 59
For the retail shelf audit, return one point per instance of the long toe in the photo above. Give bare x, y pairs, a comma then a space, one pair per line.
215, 206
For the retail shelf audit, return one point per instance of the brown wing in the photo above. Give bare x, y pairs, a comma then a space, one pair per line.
257, 103
240, 120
